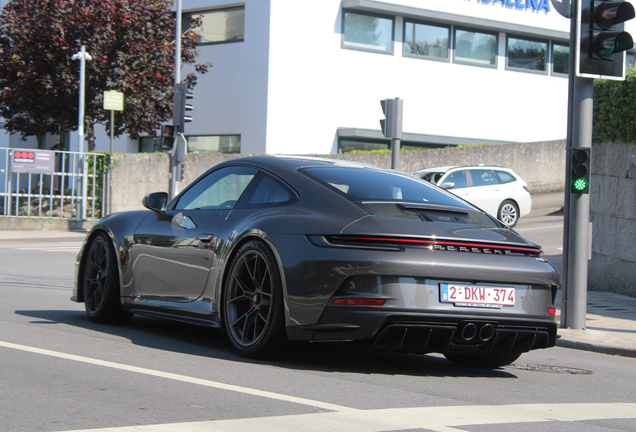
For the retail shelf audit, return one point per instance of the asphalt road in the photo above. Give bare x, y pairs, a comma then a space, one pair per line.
60, 372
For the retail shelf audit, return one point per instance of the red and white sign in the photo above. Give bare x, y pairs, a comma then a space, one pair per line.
33, 161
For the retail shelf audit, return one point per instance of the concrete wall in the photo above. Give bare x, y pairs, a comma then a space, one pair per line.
542, 165
613, 213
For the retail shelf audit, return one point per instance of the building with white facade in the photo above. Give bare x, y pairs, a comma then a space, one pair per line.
307, 76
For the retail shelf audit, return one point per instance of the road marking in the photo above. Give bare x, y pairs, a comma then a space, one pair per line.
345, 419
177, 377
438, 419
45, 247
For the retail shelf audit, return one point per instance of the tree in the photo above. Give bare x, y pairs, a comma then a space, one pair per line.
132, 45
615, 110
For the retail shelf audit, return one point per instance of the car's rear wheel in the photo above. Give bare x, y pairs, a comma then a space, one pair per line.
508, 213
253, 314
101, 283
482, 361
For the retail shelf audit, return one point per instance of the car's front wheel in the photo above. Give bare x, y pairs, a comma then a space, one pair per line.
482, 361
101, 283
253, 314
508, 213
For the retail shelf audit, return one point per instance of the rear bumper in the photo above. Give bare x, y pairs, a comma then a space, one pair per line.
424, 333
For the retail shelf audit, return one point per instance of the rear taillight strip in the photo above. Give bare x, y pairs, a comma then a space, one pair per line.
431, 243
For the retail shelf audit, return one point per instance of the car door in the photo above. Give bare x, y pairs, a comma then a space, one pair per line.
174, 256
459, 179
484, 190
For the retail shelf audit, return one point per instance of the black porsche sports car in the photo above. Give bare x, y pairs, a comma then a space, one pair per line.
287, 248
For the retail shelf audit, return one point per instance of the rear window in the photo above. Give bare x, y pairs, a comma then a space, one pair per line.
361, 184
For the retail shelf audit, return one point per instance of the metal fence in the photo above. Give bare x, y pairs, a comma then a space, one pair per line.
57, 195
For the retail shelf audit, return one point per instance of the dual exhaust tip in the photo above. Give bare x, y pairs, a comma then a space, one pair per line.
480, 331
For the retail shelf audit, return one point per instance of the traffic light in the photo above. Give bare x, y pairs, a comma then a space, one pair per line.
181, 106
601, 39
392, 122
580, 179
168, 134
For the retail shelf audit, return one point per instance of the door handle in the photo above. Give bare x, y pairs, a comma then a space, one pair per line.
205, 238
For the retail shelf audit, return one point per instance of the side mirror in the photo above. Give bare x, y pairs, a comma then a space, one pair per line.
447, 185
157, 202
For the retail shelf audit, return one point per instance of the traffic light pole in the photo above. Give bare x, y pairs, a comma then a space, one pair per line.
172, 191
577, 214
576, 206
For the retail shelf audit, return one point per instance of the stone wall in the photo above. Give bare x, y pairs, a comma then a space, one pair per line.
613, 214
541, 165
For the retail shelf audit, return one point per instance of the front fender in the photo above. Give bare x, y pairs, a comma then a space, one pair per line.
120, 228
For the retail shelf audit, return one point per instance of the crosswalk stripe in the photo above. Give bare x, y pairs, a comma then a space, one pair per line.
45, 247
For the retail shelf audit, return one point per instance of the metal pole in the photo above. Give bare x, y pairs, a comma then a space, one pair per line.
579, 211
577, 206
177, 50
395, 153
172, 192
110, 164
568, 168
82, 56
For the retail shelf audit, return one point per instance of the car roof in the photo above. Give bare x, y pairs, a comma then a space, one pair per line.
301, 162
448, 168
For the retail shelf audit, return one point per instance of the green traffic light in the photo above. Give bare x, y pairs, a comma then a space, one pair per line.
580, 184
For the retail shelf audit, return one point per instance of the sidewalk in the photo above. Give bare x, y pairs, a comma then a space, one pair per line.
544, 204
610, 325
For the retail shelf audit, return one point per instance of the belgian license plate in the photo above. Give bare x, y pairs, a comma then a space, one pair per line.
478, 296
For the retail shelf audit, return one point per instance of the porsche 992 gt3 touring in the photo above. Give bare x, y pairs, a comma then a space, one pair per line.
272, 249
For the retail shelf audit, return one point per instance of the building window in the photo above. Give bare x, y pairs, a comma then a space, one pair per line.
527, 54
214, 144
630, 60
426, 40
476, 48
367, 32
218, 25
149, 144
560, 59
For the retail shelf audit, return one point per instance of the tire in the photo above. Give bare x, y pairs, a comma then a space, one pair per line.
253, 314
100, 283
508, 213
482, 361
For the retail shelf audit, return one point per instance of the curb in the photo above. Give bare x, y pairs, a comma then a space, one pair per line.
544, 211
45, 224
601, 349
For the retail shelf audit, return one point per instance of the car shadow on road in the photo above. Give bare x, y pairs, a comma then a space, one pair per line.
326, 357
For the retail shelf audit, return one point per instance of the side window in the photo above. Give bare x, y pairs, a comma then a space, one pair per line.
218, 190
482, 177
505, 177
459, 178
269, 192
432, 177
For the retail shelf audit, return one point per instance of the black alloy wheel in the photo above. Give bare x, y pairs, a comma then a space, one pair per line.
101, 283
508, 213
253, 302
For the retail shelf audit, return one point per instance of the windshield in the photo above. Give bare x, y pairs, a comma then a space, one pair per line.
361, 184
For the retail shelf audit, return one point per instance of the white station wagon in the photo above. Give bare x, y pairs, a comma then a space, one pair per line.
496, 190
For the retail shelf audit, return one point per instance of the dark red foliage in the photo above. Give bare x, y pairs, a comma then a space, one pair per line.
132, 45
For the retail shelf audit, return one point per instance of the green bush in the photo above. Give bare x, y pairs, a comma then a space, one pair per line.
615, 110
